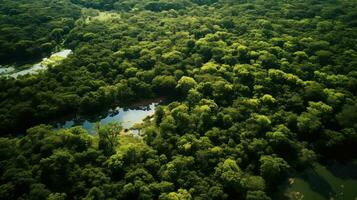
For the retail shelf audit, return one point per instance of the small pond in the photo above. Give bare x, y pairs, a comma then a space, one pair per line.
334, 181
128, 117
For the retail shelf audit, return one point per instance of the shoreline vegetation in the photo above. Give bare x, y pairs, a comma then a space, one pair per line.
127, 115
256, 94
51, 61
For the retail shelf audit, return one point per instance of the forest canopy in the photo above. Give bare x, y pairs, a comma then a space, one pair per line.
259, 89
31, 29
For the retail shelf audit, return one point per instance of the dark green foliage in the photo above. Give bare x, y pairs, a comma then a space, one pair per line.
29, 30
108, 137
261, 88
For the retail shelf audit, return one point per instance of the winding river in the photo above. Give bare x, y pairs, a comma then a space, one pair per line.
15, 72
127, 116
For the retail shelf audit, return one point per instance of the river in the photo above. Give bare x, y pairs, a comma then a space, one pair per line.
15, 72
127, 116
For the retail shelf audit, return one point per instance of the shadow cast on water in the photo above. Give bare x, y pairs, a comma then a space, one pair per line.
318, 184
344, 171
327, 181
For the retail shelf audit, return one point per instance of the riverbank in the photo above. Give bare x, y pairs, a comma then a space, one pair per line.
128, 116
16, 71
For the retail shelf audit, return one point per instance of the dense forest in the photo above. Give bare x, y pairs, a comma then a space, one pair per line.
31, 29
259, 88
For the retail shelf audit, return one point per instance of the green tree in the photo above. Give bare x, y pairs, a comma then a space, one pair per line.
108, 137
273, 168
185, 84
229, 173
181, 194
95, 194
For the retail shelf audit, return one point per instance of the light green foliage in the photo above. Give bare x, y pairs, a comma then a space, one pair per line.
181, 194
273, 168
267, 98
300, 56
279, 133
334, 98
194, 96
253, 183
172, 57
268, 60
282, 76
176, 168
252, 90
94, 194
229, 172
311, 120
308, 122
185, 84
307, 157
57, 196
164, 84
209, 67
319, 108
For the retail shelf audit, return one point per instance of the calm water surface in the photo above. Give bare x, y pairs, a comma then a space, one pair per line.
324, 182
35, 68
126, 116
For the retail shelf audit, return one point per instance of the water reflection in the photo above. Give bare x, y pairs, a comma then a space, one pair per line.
35, 68
127, 116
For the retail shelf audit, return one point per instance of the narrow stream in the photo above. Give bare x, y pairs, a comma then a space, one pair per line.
35, 68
